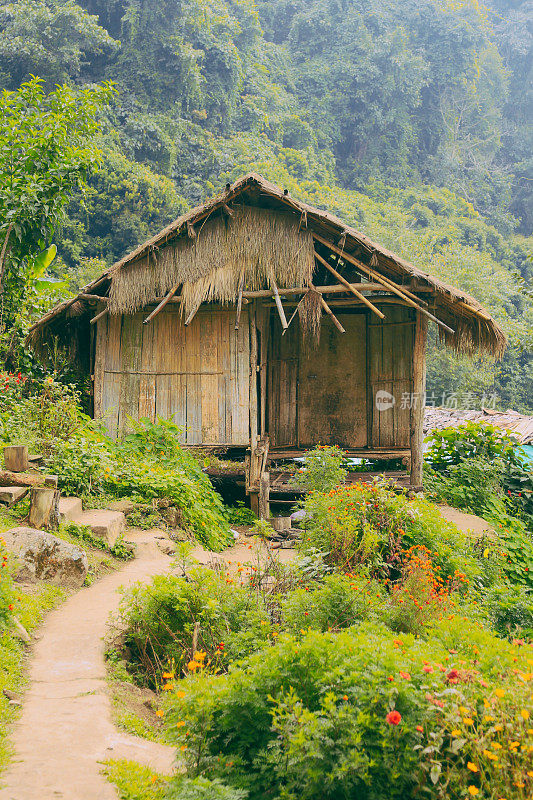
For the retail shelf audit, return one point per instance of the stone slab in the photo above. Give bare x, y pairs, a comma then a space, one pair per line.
108, 525
12, 494
69, 509
42, 556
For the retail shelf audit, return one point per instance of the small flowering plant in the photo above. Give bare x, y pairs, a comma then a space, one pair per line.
7, 595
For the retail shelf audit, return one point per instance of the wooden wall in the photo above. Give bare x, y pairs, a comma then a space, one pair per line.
196, 375
390, 360
328, 394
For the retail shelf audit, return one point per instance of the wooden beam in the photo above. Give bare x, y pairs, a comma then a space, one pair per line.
99, 316
239, 302
253, 379
163, 303
386, 282
192, 314
349, 286
416, 421
334, 289
294, 313
277, 300
96, 297
332, 316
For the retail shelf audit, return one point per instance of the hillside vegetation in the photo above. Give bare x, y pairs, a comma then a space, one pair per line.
408, 119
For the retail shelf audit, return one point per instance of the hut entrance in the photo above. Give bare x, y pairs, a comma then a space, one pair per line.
318, 394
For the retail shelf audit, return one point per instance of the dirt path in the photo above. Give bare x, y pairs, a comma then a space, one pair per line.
65, 730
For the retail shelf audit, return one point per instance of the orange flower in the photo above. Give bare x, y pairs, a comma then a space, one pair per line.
394, 717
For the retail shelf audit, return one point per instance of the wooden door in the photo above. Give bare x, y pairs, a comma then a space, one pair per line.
282, 398
390, 366
332, 399
196, 376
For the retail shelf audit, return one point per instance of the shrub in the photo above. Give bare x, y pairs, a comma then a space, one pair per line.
372, 524
168, 620
360, 713
323, 469
510, 610
7, 595
201, 789
451, 446
337, 603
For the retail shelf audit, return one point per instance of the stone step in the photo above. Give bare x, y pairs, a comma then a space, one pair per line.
12, 494
69, 509
108, 525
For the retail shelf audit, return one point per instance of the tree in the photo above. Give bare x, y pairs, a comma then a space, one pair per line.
49, 38
46, 147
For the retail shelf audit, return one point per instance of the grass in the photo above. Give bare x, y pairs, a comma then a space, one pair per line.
34, 603
134, 782
133, 707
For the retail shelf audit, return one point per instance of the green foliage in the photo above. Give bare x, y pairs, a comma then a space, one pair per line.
240, 515
309, 717
162, 619
451, 446
202, 789
46, 147
323, 470
510, 610
134, 782
369, 525
7, 592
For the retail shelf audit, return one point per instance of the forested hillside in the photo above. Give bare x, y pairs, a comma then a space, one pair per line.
408, 118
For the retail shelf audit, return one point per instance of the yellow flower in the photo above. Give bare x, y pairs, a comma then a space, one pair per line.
485, 552
468, 721
473, 790
488, 718
524, 713
183, 747
192, 666
498, 727
496, 745
456, 733
274, 634
199, 656
530, 773
168, 687
180, 724
472, 767
463, 710
180, 695
159, 712
167, 675
499, 693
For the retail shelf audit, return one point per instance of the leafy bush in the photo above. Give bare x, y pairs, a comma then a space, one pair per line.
323, 469
240, 515
510, 610
371, 524
473, 440
359, 713
338, 602
167, 621
201, 789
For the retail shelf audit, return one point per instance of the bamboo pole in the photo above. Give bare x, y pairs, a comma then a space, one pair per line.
386, 282
99, 316
163, 303
239, 302
192, 314
334, 319
293, 314
279, 306
349, 286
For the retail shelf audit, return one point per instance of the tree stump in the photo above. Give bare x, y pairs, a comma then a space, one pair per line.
16, 458
42, 503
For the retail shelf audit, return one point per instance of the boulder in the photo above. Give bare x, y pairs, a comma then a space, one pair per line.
42, 556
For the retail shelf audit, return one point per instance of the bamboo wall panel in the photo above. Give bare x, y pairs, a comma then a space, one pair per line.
332, 401
196, 376
390, 368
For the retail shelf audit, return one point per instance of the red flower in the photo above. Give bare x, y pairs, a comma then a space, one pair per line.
420, 729
452, 676
405, 675
10, 606
393, 717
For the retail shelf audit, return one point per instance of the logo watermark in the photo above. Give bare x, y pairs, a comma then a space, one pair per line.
467, 401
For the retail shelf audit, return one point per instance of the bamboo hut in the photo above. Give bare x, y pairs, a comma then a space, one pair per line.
259, 323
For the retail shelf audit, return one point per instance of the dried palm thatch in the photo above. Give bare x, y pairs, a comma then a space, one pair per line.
310, 316
260, 244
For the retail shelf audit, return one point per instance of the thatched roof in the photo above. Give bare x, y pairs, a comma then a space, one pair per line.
240, 235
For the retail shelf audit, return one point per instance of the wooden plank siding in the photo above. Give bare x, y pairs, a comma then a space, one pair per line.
196, 375
390, 370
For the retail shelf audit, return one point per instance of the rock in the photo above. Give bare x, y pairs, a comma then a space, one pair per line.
298, 516
44, 557
166, 547
69, 509
20, 631
13, 696
125, 506
107, 525
171, 516
12, 494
